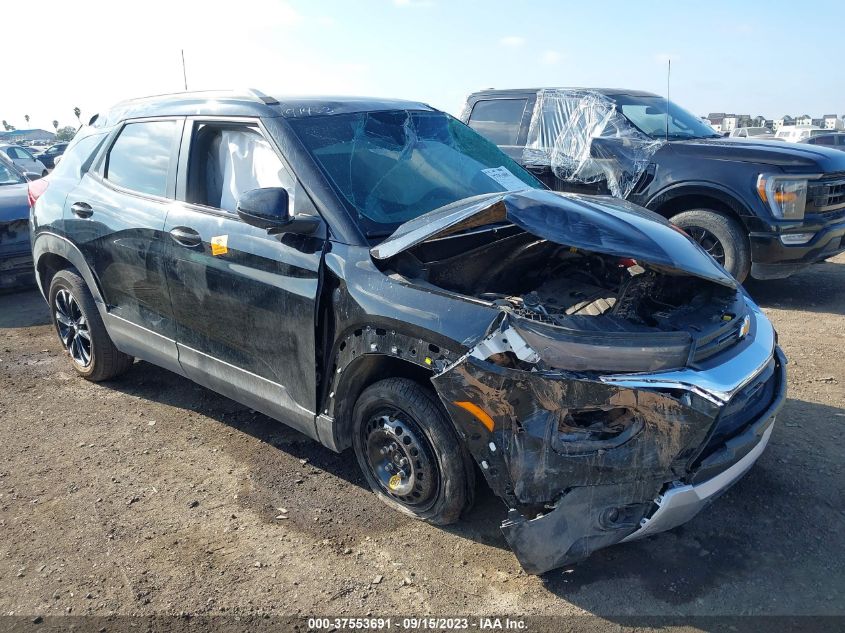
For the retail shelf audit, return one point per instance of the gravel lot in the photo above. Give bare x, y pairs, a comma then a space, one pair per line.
153, 495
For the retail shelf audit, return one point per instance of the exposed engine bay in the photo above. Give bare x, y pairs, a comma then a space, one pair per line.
561, 286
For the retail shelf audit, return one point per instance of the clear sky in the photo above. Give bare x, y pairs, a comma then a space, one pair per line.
742, 56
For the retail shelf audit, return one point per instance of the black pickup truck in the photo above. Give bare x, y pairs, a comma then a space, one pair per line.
764, 208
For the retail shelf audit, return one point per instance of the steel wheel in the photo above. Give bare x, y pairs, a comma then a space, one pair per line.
400, 458
708, 242
73, 328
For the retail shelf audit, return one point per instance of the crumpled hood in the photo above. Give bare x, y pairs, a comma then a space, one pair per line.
798, 157
601, 224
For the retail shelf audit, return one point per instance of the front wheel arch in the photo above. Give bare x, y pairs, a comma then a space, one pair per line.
362, 372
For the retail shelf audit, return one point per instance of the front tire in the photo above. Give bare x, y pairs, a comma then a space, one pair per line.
721, 236
81, 330
409, 452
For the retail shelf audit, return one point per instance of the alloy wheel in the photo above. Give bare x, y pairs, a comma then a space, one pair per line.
73, 328
708, 242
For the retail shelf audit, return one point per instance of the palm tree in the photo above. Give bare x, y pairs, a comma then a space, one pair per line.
55, 125
77, 112
26, 116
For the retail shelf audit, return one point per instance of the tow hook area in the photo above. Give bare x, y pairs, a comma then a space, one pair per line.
585, 519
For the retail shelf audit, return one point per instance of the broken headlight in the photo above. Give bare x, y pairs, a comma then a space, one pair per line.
593, 429
620, 352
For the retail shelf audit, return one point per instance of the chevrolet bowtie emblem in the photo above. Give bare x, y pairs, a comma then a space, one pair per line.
745, 327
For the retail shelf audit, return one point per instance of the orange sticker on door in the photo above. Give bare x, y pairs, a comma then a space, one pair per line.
219, 245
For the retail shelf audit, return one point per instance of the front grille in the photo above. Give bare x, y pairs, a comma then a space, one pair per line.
744, 408
720, 340
826, 196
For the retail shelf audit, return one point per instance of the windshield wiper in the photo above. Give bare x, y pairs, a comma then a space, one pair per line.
377, 234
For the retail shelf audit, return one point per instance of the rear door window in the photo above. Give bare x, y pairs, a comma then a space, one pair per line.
79, 156
498, 119
140, 159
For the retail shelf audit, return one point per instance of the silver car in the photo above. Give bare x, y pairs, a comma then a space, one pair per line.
24, 159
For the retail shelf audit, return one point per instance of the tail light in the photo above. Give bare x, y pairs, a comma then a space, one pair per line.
36, 188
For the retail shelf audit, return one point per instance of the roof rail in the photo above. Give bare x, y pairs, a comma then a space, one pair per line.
263, 98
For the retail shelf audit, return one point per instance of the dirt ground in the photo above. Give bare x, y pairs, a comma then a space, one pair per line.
150, 494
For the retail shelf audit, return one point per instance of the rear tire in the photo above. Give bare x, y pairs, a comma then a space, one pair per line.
409, 452
81, 330
721, 236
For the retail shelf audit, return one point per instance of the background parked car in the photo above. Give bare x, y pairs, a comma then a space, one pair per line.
834, 140
757, 133
797, 133
49, 155
24, 159
15, 249
759, 208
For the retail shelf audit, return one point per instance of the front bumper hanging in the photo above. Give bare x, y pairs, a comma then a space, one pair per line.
568, 499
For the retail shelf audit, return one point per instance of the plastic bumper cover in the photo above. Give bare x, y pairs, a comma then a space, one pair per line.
680, 503
772, 259
16, 271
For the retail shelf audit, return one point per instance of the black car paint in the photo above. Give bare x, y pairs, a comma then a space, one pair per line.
297, 326
722, 172
15, 253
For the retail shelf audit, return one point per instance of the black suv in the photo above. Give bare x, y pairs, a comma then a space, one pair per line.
767, 208
378, 276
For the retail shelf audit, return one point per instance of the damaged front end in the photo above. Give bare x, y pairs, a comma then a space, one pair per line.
625, 382
585, 461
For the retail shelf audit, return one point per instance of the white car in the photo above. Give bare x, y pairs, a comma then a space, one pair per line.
24, 159
759, 133
796, 133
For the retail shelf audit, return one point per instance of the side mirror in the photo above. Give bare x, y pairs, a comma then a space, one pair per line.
31, 175
268, 209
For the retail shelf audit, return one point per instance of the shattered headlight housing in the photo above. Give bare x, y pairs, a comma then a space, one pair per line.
785, 195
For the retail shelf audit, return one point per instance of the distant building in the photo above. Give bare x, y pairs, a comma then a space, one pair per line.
832, 122
784, 120
715, 120
726, 123
18, 136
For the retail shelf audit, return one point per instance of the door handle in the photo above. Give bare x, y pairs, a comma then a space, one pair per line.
186, 236
81, 209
